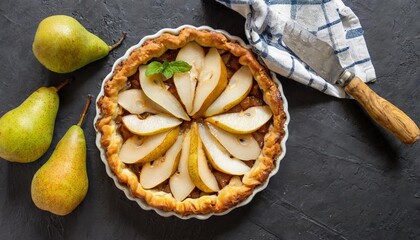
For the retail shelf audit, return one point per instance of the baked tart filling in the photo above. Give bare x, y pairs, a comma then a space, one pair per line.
197, 142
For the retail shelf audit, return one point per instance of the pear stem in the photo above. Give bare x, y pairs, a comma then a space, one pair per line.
85, 110
115, 45
64, 83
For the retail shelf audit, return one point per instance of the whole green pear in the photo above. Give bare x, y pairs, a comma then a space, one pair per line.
63, 45
61, 184
26, 132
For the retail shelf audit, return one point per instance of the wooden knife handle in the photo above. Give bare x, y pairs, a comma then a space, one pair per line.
383, 112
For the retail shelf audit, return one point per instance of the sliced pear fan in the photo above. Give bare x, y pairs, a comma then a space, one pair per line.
199, 171
239, 86
241, 146
243, 122
145, 149
156, 172
211, 82
218, 156
220, 143
180, 183
150, 125
155, 89
135, 101
185, 83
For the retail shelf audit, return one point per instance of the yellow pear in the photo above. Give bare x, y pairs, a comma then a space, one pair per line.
26, 131
61, 184
63, 45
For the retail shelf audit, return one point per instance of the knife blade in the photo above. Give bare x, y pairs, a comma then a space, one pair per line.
321, 57
311, 49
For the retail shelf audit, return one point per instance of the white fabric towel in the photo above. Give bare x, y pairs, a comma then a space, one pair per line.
330, 20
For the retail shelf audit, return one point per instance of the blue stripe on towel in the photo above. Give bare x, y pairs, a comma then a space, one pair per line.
357, 63
311, 80
329, 24
341, 50
293, 9
353, 33
229, 2
324, 10
325, 87
299, 2
292, 69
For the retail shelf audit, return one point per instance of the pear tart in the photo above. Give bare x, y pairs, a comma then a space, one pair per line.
201, 141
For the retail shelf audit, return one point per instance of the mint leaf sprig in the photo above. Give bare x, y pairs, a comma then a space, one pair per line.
168, 69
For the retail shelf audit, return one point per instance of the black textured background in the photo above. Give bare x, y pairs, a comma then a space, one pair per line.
342, 177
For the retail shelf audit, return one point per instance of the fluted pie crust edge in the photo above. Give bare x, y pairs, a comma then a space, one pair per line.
111, 140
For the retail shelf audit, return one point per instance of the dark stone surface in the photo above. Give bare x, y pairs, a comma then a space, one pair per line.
342, 177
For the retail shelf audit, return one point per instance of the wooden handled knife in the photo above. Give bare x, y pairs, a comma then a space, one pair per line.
320, 56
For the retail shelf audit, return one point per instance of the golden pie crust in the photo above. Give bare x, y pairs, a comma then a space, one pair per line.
238, 189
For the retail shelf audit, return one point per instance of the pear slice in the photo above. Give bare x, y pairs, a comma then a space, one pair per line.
211, 82
139, 149
218, 156
241, 146
135, 101
150, 125
156, 172
239, 86
155, 89
243, 122
185, 83
199, 171
180, 183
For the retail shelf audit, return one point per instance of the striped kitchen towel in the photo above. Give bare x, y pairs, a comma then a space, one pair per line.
329, 20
